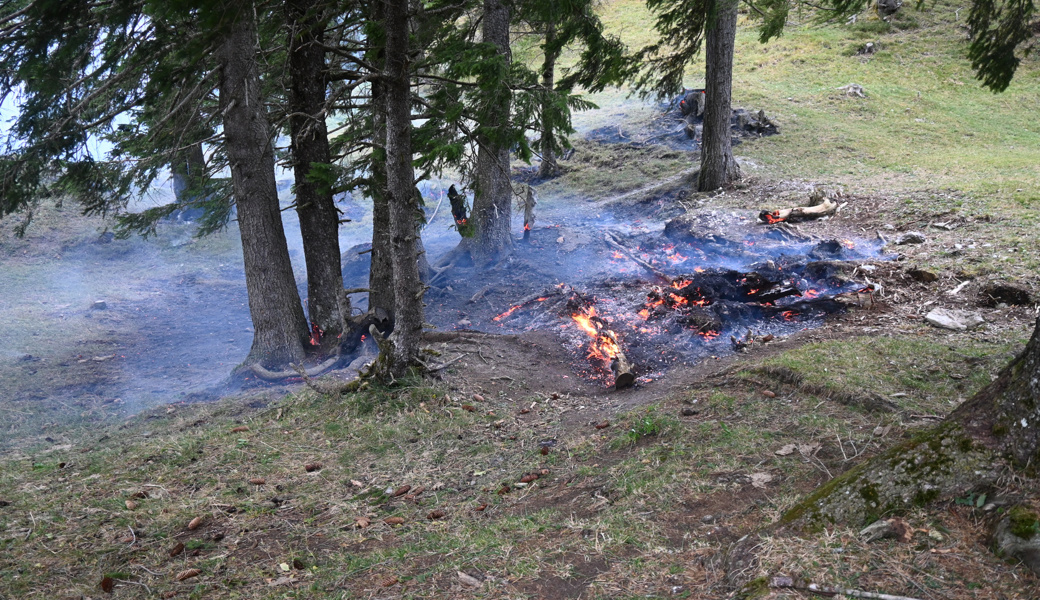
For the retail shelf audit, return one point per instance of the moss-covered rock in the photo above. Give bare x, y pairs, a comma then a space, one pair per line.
942, 463
1015, 537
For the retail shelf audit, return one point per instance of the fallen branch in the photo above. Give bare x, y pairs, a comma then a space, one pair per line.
642, 263
528, 300
792, 583
799, 213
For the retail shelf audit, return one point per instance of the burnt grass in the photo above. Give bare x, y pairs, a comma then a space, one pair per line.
538, 479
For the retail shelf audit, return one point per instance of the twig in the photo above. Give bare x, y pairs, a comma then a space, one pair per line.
791, 583
434, 215
958, 289
33, 528
442, 366
134, 535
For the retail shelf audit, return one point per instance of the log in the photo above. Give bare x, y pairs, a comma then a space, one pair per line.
620, 365
799, 213
623, 375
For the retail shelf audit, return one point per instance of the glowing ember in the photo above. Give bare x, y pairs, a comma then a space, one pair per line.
698, 269
773, 217
811, 293
708, 335
512, 309
617, 255
681, 283
789, 315
848, 244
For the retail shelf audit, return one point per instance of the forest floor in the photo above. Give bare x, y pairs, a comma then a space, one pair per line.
127, 470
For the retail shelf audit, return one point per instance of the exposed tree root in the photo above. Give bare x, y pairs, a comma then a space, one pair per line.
268, 375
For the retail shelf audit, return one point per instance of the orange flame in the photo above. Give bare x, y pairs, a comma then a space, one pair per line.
603, 346
772, 217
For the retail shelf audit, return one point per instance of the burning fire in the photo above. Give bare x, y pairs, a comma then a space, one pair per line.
316, 333
772, 217
512, 309
604, 345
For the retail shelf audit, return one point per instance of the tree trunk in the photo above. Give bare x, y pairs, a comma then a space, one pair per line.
998, 426
400, 176
492, 206
548, 168
1005, 415
718, 167
381, 274
319, 219
274, 304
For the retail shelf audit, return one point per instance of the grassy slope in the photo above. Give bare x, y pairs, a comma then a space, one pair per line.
926, 123
630, 511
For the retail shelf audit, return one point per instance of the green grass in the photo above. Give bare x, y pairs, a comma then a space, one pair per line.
925, 124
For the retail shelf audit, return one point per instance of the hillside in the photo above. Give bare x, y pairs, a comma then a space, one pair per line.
516, 473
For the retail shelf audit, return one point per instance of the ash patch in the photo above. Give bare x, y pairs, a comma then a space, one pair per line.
680, 125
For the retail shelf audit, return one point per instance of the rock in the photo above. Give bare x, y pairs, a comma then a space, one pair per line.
888, 7
922, 275
853, 89
910, 237
998, 292
1016, 536
895, 527
99, 305
956, 320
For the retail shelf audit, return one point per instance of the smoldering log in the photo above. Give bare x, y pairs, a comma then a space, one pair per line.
529, 203
799, 213
624, 376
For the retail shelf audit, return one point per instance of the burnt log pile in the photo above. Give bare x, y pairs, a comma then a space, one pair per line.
743, 123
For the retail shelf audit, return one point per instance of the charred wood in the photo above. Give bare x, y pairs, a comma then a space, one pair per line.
642, 263
799, 213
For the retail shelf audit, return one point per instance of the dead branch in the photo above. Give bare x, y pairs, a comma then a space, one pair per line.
642, 263
792, 583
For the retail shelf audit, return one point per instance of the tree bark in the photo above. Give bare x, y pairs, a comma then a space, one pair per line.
548, 168
400, 177
969, 450
492, 206
1005, 415
319, 219
381, 274
274, 304
718, 167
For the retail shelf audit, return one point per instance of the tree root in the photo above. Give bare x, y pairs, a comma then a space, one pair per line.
268, 375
